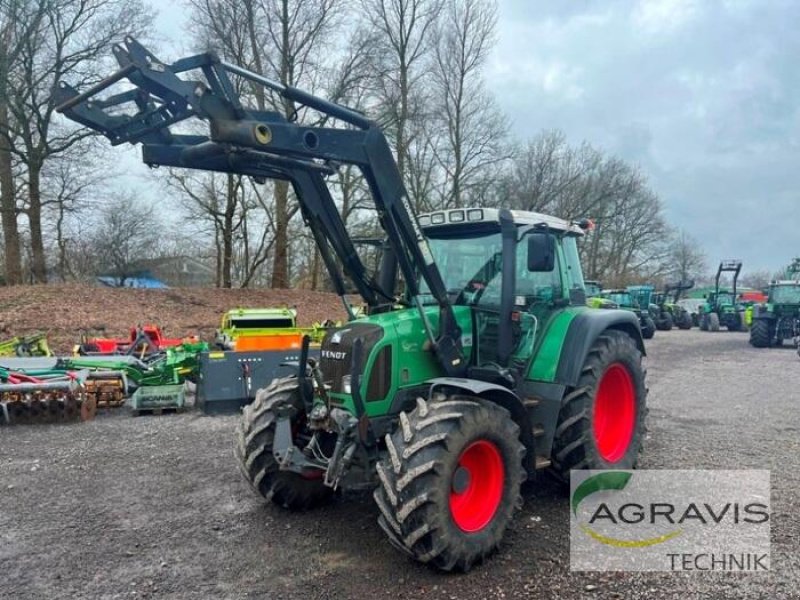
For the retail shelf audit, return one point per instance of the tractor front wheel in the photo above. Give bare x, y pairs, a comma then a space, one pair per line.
254, 442
685, 321
665, 322
713, 321
451, 481
602, 420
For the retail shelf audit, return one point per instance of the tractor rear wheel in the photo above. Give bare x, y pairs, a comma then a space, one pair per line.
760, 334
451, 481
685, 321
254, 441
713, 321
665, 322
602, 420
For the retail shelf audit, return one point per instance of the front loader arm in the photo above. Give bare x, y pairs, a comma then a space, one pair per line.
264, 144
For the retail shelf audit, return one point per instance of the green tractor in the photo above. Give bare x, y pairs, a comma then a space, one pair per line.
642, 296
623, 299
594, 295
779, 318
669, 312
722, 307
488, 369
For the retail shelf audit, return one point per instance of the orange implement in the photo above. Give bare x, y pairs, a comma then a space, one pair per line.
273, 341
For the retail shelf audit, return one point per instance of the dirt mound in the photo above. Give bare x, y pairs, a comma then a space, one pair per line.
64, 311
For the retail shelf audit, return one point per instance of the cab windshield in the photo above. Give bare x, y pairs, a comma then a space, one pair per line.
621, 298
471, 264
785, 294
724, 298
471, 267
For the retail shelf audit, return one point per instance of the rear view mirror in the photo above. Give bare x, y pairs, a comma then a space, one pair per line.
541, 252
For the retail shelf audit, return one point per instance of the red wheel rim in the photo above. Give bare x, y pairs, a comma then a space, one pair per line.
477, 486
614, 413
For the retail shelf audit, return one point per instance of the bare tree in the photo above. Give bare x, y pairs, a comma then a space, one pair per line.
18, 20
686, 257
468, 141
71, 42
403, 31
127, 233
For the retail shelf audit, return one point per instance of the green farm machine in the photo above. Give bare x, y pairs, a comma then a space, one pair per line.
487, 369
669, 313
722, 307
624, 299
779, 318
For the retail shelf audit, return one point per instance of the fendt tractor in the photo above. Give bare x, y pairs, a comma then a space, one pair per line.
488, 368
722, 307
779, 318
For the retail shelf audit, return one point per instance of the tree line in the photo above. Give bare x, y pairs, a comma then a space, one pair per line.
417, 67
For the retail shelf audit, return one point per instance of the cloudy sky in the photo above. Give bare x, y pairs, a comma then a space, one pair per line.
703, 94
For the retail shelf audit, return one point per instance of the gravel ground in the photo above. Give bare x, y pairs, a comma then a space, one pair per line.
154, 507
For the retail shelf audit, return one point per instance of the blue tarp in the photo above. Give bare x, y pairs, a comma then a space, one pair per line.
133, 282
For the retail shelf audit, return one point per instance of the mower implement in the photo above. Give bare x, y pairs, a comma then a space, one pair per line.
488, 368
32, 345
142, 340
253, 329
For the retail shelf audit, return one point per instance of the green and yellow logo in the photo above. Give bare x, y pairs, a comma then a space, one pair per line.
610, 481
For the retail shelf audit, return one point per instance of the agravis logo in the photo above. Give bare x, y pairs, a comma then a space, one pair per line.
670, 520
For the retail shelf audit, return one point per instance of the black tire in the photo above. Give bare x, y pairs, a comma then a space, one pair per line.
648, 328
685, 321
254, 440
713, 321
761, 334
665, 322
736, 323
576, 444
419, 473
704, 322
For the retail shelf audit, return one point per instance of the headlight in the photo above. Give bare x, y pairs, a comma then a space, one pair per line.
346, 384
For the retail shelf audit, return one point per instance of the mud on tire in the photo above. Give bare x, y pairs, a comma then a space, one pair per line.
587, 436
451, 481
254, 440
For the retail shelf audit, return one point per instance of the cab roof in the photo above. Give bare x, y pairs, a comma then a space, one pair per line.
458, 216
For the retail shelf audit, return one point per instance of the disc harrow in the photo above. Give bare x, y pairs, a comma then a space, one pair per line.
25, 399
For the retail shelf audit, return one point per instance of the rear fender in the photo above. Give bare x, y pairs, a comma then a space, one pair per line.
581, 335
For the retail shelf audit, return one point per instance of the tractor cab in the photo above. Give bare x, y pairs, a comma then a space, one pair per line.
492, 262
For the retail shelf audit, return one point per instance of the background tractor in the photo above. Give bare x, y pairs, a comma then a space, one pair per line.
779, 318
642, 296
670, 313
487, 369
626, 301
722, 307
594, 296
